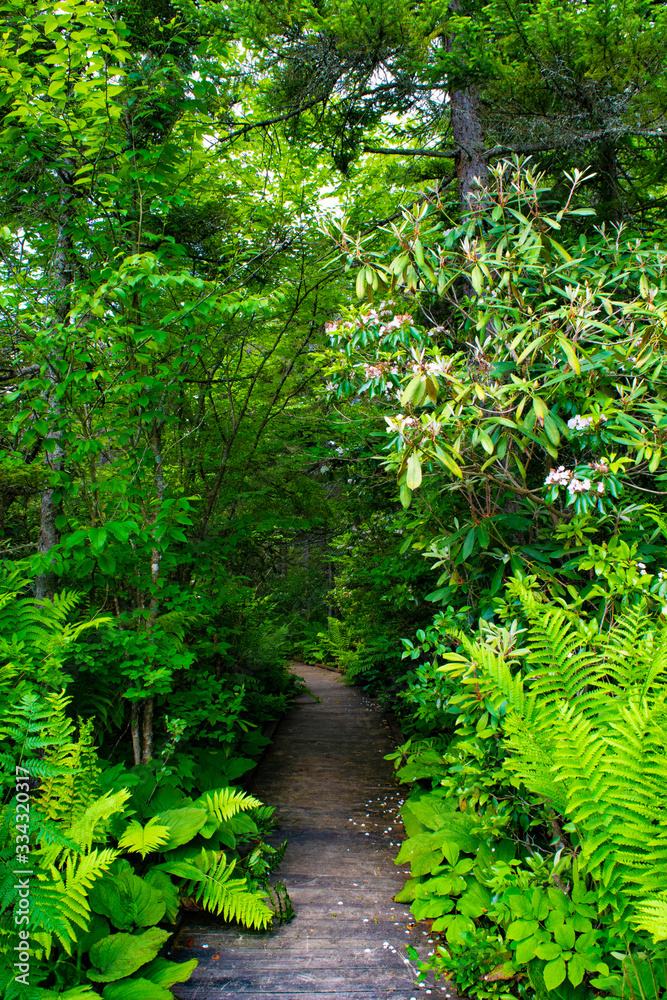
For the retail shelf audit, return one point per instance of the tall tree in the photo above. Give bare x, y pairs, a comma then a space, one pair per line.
466, 82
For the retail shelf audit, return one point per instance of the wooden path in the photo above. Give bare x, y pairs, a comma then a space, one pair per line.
337, 802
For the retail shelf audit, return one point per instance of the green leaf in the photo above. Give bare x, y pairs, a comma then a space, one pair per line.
458, 927
183, 825
475, 900
429, 909
127, 900
570, 354
412, 390
551, 429
520, 929
361, 283
405, 495
120, 955
144, 839
576, 968
169, 892
564, 935
407, 893
549, 951
414, 476
469, 543
166, 973
136, 989
487, 443
554, 973
527, 949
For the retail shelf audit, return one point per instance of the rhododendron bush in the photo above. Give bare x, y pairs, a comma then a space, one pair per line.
518, 363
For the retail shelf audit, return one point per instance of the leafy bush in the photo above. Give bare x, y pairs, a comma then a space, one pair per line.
114, 850
541, 837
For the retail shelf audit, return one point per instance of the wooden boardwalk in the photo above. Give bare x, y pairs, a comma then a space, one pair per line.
337, 802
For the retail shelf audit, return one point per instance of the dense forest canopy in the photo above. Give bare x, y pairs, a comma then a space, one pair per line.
335, 331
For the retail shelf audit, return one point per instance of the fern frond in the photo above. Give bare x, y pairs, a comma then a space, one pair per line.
225, 896
144, 839
224, 803
85, 827
652, 917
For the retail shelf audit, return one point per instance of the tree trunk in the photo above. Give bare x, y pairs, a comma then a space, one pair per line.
471, 164
147, 730
134, 725
606, 166
468, 134
63, 276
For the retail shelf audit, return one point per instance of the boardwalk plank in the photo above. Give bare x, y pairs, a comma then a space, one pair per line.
337, 805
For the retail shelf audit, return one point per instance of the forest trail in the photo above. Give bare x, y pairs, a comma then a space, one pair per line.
337, 800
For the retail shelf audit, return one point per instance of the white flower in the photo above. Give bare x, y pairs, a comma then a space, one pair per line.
578, 486
600, 488
579, 423
558, 477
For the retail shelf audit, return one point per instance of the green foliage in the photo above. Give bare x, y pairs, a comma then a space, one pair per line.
540, 839
83, 886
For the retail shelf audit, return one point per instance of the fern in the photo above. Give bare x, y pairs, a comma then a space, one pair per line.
34, 725
63, 797
587, 730
59, 904
210, 882
35, 636
224, 803
144, 839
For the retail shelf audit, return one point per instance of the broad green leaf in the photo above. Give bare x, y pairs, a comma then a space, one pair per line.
571, 354
127, 900
469, 543
576, 968
459, 926
551, 429
166, 973
520, 929
475, 900
120, 955
414, 473
136, 989
487, 443
412, 390
183, 824
526, 950
554, 973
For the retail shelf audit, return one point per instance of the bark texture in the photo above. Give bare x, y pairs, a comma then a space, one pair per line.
470, 157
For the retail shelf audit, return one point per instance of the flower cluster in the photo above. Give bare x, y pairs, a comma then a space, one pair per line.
440, 366
566, 477
406, 427
380, 370
383, 316
601, 467
559, 477
578, 486
579, 423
